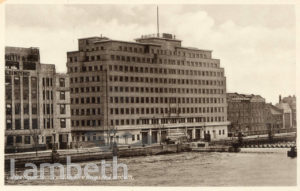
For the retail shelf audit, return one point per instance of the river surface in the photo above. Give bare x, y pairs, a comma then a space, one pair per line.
250, 167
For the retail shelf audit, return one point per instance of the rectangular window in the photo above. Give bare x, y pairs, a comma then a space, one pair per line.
62, 95
8, 124
34, 123
26, 108
62, 123
18, 139
17, 124
10, 140
62, 109
8, 109
26, 123
27, 140
34, 108
17, 108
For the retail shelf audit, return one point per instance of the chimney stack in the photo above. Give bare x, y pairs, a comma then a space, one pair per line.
279, 98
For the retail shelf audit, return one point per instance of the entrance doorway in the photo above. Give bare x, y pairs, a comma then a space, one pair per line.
63, 141
163, 136
154, 136
145, 138
198, 134
49, 143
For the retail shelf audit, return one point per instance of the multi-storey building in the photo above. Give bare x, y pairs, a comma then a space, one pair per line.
273, 117
288, 105
148, 88
31, 104
291, 100
246, 114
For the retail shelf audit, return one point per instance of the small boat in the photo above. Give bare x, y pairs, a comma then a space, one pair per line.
205, 147
293, 152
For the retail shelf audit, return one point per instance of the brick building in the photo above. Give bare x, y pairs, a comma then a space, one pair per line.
246, 114
143, 91
32, 116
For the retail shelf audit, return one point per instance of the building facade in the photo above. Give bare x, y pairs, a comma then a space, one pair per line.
31, 104
246, 114
144, 91
288, 105
291, 100
273, 117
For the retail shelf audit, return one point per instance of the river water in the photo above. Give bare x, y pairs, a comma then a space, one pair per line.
250, 167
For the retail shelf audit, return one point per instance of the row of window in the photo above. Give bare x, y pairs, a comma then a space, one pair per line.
164, 52
166, 80
48, 109
100, 138
165, 90
127, 111
157, 61
85, 68
17, 94
86, 89
86, 100
8, 81
90, 123
48, 82
143, 50
156, 70
165, 100
19, 140
89, 111
47, 94
18, 108
150, 70
48, 123
26, 124
166, 120
86, 79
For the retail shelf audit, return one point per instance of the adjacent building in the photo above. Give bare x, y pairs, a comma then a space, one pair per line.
246, 114
274, 118
145, 91
33, 99
288, 105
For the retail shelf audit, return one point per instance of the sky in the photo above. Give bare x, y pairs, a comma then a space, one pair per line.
255, 43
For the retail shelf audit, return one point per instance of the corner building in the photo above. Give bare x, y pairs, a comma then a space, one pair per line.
34, 119
145, 91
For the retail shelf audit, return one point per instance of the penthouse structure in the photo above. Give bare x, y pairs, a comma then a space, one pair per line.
36, 101
145, 91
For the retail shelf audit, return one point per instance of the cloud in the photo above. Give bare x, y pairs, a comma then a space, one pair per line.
258, 59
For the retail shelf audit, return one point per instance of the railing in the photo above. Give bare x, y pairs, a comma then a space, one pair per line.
159, 35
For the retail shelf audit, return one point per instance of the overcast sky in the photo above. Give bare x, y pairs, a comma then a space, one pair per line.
255, 43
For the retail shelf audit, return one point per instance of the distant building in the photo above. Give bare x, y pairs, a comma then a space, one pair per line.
246, 114
144, 91
273, 118
32, 102
291, 100
288, 105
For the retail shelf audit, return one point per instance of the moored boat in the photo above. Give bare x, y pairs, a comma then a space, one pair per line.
205, 147
293, 152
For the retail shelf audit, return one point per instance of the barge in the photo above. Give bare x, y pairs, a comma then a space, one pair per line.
205, 147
